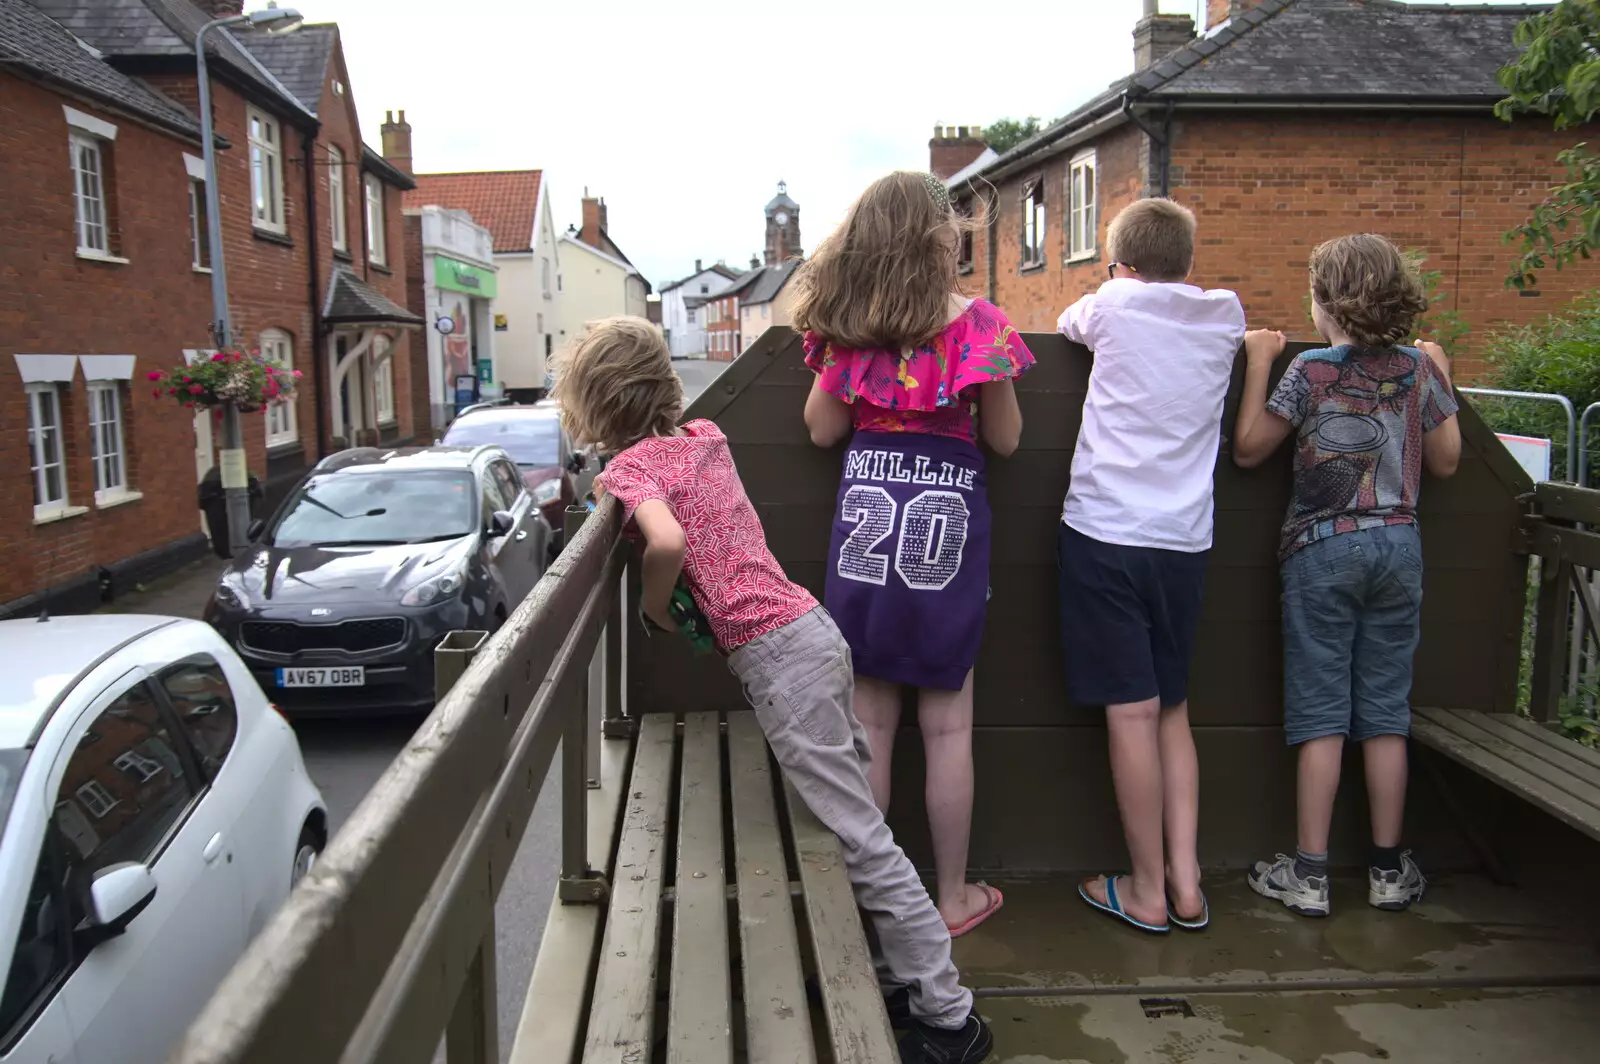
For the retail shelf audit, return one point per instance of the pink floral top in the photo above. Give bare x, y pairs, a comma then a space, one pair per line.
932, 389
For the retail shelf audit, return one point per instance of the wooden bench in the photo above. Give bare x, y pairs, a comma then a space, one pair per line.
710, 993
1554, 773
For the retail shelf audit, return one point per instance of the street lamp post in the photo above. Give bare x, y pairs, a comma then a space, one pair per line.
235, 473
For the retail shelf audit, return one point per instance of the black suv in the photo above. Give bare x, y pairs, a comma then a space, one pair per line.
340, 600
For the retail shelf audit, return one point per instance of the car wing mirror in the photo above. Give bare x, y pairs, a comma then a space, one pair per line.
257, 527
118, 893
501, 523
577, 462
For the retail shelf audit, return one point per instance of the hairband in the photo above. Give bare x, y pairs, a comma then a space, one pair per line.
936, 189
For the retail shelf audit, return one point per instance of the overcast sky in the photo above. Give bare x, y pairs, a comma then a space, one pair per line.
685, 118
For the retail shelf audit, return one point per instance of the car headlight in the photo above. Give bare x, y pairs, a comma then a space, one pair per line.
430, 591
546, 491
231, 598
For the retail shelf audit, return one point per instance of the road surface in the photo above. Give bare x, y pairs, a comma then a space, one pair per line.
345, 758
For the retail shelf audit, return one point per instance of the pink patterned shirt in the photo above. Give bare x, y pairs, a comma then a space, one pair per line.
736, 581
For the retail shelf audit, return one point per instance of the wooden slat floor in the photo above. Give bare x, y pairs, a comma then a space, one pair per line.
728, 895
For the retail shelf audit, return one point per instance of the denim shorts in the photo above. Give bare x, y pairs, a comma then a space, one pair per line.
1352, 606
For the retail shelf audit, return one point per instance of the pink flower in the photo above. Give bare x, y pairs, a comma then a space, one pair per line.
238, 356
156, 393
272, 370
195, 389
153, 375
296, 374
219, 357
188, 404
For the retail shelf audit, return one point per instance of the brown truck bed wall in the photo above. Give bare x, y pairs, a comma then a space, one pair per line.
1044, 799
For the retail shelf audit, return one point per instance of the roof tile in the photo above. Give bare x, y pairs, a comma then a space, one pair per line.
504, 201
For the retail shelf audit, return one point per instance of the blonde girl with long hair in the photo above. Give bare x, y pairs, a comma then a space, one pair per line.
916, 375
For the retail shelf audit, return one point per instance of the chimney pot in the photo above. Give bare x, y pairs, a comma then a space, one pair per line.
954, 149
1157, 36
397, 142
696, 265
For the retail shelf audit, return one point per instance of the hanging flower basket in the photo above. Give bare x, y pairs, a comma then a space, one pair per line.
243, 377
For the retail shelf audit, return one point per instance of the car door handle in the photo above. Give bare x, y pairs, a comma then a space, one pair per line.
521, 535
213, 849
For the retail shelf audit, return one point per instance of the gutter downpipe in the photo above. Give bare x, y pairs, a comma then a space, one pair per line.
1160, 142
319, 363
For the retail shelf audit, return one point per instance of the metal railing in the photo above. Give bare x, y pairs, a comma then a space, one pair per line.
387, 946
1542, 397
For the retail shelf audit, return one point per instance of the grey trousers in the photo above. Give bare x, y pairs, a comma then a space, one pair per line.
800, 682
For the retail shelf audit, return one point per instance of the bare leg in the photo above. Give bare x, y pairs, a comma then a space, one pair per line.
1318, 783
877, 707
1386, 786
1180, 782
1136, 771
945, 718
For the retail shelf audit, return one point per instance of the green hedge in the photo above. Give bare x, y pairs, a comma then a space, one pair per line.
1560, 354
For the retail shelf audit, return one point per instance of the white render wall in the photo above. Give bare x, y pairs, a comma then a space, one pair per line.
683, 338
453, 233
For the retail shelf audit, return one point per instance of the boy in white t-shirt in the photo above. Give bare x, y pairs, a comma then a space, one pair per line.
1134, 539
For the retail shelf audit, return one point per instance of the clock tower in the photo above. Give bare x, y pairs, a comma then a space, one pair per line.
783, 227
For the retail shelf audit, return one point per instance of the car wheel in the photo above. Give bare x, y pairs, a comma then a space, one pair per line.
305, 855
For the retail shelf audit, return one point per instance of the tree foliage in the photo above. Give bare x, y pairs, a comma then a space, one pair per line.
1559, 354
1003, 134
1557, 76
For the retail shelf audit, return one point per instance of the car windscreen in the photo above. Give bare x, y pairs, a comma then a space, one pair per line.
370, 508
530, 439
12, 762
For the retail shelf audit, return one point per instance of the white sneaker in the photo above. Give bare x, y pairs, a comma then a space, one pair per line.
1395, 891
1308, 896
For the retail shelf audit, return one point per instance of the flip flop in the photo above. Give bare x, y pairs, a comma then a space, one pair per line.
996, 899
1113, 907
1197, 924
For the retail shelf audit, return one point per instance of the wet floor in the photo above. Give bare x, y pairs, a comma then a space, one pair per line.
1475, 972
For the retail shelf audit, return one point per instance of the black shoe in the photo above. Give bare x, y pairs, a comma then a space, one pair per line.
967, 1044
898, 1002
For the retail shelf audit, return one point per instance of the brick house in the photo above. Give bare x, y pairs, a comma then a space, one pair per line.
306, 297
1288, 122
721, 312
100, 487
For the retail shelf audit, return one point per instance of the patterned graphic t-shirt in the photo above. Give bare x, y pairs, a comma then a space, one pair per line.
734, 578
1361, 416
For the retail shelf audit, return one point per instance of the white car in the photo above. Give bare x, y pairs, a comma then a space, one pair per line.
154, 813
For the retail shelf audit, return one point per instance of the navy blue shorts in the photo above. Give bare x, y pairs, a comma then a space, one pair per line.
1128, 618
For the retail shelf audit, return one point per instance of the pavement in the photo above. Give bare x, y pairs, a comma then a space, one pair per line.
345, 757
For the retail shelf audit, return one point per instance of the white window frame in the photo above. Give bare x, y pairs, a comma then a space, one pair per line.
266, 164
1034, 223
93, 221
377, 238
107, 451
282, 429
96, 799
200, 258
1083, 214
338, 200
45, 507
148, 768
383, 391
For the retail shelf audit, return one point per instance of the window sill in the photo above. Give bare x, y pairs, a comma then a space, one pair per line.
342, 254
1092, 255
1031, 267
380, 267
105, 500
281, 447
99, 256
388, 422
50, 517
273, 237
964, 269
202, 269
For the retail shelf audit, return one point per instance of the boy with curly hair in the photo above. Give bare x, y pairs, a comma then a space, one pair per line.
1369, 416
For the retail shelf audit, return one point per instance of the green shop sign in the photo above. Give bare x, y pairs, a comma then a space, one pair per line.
459, 277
